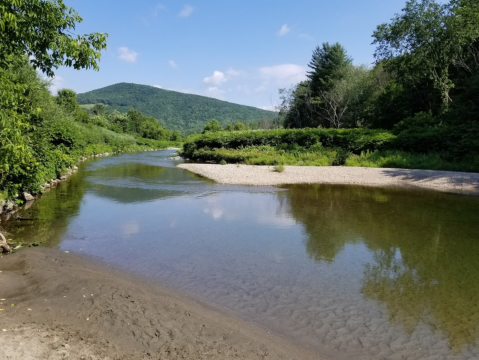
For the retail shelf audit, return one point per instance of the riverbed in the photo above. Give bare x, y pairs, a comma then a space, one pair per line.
348, 271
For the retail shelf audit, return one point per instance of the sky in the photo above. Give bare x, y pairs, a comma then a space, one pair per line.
241, 51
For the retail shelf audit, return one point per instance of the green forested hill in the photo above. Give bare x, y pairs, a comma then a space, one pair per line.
174, 110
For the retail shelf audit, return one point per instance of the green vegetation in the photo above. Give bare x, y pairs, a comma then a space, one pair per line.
327, 147
41, 135
186, 113
422, 90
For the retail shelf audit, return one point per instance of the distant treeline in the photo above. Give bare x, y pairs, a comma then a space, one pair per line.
186, 113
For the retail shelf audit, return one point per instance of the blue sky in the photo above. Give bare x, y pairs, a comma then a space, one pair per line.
240, 51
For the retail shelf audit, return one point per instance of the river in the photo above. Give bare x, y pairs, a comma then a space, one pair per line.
361, 273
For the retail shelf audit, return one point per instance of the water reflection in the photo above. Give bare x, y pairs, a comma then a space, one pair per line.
364, 272
46, 221
425, 248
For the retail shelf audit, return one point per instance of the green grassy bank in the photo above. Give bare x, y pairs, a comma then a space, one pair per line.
327, 147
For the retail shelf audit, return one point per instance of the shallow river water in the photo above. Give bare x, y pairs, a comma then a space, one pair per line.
351, 272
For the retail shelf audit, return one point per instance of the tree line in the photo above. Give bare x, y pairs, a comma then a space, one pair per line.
41, 135
426, 75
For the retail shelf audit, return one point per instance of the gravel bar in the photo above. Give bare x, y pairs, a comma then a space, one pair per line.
448, 181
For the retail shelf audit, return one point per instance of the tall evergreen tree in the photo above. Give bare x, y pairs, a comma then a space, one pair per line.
327, 66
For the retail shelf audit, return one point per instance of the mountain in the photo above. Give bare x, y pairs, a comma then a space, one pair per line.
174, 110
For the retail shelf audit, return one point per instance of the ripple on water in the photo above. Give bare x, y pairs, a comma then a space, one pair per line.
361, 272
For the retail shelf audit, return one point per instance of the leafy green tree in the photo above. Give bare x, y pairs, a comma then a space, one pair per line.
212, 126
68, 100
99, 109
43, 30
427, 39
40, 31
345, 98
297, 106
238, 126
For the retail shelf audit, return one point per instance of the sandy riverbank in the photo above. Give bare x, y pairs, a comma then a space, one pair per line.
449, 181
65, 306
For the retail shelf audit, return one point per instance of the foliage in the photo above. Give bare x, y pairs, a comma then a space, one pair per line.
327, 67
42, 30
238, 126
424, 85
40, 135
420, 43
422, 145
279, 168
353, 140
186, 113
212, 126
409, 160
67, 99
336, 94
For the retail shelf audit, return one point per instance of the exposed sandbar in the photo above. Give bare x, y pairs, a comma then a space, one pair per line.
449, 181
63, 306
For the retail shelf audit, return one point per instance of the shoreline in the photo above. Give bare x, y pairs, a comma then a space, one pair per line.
255, 175
69, 306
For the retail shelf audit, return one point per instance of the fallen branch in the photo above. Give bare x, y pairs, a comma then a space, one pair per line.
3, 244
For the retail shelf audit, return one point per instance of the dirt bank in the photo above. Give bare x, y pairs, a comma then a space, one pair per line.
449, 181
57, 305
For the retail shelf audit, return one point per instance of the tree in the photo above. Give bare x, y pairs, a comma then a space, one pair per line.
40, 33
427, 39
348, 93
42, 30
68, 100
212, 126
327, 65
237, 126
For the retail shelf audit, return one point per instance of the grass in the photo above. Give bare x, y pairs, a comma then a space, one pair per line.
405, 160
279, 168
268, 155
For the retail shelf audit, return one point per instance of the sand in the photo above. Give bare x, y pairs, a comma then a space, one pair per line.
58, 305
449, 181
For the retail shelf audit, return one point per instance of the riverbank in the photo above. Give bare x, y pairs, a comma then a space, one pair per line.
58, 305
448, 181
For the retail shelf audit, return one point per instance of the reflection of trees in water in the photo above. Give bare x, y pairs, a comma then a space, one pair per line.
425, 246
135, 182
47, 220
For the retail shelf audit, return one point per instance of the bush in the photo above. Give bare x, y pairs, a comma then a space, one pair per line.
352, 140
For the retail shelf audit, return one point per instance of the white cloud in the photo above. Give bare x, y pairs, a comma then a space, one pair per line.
186, 11
215, 92
260, 88
127, 55
220, 77
284, 30
173, 64
158, 86
217, 78
283, 74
